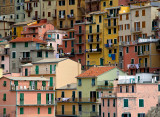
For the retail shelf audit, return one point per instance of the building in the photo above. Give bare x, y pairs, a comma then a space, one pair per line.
17, 28
60, 71
26, 50
129, 2
68, 12
132, 97
19, 11
4, 56
94, 80
54, 39
66, 98
26, 96
37, 30
37, 9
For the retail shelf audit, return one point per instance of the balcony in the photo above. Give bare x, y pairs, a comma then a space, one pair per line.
62, 17
109, 95
79, 42
145, 53
93, 32
94, 41
110, 26
137, 30
29, 9
158, 47
44, 48
79, 52
71, 16
14, 34
65, 38
143, 65
98, 50
60, 47
31, 1
111, 16
67, 113
105, 85
30, 88
80, 32
64, 27
26, 60
63, 55
110, 46
88, 1
133, 66
87, 100
29, 32
91, 21
67, 100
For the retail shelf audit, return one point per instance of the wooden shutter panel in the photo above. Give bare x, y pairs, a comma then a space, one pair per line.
122, 27
134, 25
50, 69
139, 24
122, 38
128, 26
143, 24
36, 85
52, 98
118, 39
125, 38
125, 26
134, 37
47, 98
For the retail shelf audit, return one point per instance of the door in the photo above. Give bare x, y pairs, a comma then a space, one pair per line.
97, 28
38, 98
73, 95
92, 96
146, 62
36, 14
80, 39
80, 49
21, 98
101, 61
26, 72
51, 81
61, 24
80, 95
91, 47
73, 110
62, 109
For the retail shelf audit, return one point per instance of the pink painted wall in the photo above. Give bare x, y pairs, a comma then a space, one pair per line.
23, 70
6, 64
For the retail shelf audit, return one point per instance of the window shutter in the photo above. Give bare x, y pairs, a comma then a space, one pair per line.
47, 98
4, 83
50, 69
38, 98
54, 67
16, 83
44, 83
128, 26
36, 85
143, 24
52, 98
30, 83
4, 97
97, 94
38, 110
49, 110
125, 26
4, 111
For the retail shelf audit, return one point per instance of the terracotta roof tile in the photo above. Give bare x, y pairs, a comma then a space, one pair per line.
27, 39
95, 71
36, 25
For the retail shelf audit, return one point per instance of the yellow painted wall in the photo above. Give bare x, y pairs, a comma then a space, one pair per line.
115, 3
18, 32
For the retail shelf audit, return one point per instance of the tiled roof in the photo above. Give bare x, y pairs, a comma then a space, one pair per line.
27, 78
68, 87
27, 39
36, 25
49, 60
95, 71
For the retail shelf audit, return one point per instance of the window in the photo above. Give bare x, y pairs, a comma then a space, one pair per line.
100, 19
62, 3
125, 104
143, 24
49, 14
13, 45
72, 43
39, 54
120, 89
120, 17
46, 54
71, 23
90, 29
103, 114
103, 102
80, 108
17, 16
93, 108
114, 114
143, 13
2, 58
141, 103
108, 114
26, 44
49, 3
137, 14
115, 41
37, 69
57, 36
127, 49
4, 112
49, 98
2, 66
110, 51
71, 2
132, 61
38, 110
108, 102
114, 102
115, 50
109, 31
4, 83
65, 44
158, 87
114, 30
62, 94
111, 3
49, 110
79, 82
132, 89
93, 81
4, 97
13, 54
141, 114
104, 4
127, 17
135, 48
127, 89
21, 110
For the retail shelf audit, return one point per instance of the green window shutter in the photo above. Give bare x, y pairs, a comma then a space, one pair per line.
73, 109
51, 81
97, 94
26, 44
21, 98
37, 69
141, 103
13, 45
47, 95
4, 111
4, 83
54, 67
38, 98
52, 98
139, 115
125, 102
21, 110
49, 110
62, 95
158, 87
43, 83
35, 85
46, 54
4, 97
38, 110
65, 44
50, 69
30, 83
16, 83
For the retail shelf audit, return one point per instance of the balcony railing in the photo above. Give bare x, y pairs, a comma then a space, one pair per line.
110, 25
62, 55
67, 99
93, 21
67, 113
98, 50
71, 16
29, 9
137, 30
26, 60
111, 16
89, 100
29, 32
79, 41
30, 88
79, 52
94, 31
61, 17
80, 32
143, 65
87, 1
145, 53
97, 40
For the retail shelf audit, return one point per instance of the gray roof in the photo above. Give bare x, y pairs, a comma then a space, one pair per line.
49, 60
27, 78
68, 86
27, 65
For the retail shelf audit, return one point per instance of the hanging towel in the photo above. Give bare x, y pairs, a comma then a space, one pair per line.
109, 55
113, 56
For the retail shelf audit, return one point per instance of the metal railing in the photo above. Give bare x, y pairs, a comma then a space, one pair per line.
67, 113
136, 29
62, 16
67, 99
94, 40
87, 99
79, 51
93, 31
70, 16
27, 59
144, 53
94, 50
79, 32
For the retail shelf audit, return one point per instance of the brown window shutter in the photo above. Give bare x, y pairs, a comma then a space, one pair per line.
125, 26
118, 27
139, 24
134, 37
143, 24
134, 25
128, 26
118, 39
125, 38
120, 17
140, 35
122, 27
143, 13
122, 38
